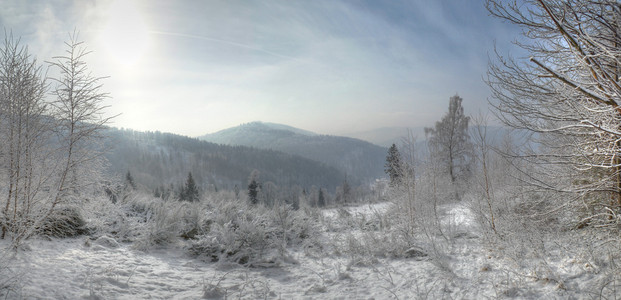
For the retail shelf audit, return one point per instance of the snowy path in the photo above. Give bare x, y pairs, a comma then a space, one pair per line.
67, 269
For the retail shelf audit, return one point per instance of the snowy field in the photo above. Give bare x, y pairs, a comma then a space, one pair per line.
465, 267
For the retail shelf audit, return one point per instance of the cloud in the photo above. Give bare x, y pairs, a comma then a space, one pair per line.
320, 65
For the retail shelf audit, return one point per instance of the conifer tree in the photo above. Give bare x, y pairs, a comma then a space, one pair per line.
190, 190
393, 165
129, 180
253, 187
321, 199
346, 191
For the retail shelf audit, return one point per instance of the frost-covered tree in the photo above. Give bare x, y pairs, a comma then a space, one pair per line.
450, 142
47, 147
568, 94
24, 131
269, 193
393, 165
78, 106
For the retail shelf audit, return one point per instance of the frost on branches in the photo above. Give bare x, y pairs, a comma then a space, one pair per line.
47, 157
567, 95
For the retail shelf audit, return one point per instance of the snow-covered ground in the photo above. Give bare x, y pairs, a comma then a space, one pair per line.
81, 268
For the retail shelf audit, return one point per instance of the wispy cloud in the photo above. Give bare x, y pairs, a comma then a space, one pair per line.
326, 66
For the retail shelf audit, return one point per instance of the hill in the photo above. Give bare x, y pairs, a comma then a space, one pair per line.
386, 136
361, 161
156, 159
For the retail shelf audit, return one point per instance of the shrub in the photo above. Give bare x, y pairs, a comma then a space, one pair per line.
253, 235
63, 222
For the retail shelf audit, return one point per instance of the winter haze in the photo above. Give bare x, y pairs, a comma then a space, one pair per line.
331, 67
342, 149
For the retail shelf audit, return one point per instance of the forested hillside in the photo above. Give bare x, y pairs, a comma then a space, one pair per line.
361, 161
155, 159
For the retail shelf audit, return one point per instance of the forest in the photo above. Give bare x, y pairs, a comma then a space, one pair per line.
467, 211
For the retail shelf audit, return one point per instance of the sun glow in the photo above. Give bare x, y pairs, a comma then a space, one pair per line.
125, 36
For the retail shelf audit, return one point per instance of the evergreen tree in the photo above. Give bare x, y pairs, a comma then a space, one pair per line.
253, 187
321, 200
393, 165
253, 191
344, 193
190, 190
129, 181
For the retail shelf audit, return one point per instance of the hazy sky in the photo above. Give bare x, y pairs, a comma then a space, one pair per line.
195, 67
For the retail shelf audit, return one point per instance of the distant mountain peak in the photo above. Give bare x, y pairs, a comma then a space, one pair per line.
276, 126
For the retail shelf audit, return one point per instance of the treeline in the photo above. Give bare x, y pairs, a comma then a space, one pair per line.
157, 160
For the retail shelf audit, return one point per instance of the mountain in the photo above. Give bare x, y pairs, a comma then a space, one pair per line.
155, 159
360, 160
386, 136
285, 127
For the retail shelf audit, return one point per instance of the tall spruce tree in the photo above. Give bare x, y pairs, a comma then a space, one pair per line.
321, 199
393, 165
190, 190
129, 181
253, 187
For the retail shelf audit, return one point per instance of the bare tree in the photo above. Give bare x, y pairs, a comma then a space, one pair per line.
80, 111
45, 145
23, 127
482, 144
568, 94
450, 141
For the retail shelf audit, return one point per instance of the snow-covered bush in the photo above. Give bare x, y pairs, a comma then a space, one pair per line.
251, 234
137, 217
119, 220
64, 222
413, 225
163, 225
150, 221
244, 239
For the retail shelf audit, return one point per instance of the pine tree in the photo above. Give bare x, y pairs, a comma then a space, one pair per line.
393, 165
253, 191
346, 191
253, 187
129, 181
190, 190
321, 199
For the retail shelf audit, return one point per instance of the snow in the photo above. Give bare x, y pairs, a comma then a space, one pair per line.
365, 210
461, 216
82, 268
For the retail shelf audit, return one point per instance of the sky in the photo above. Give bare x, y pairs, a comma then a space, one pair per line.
328, 66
